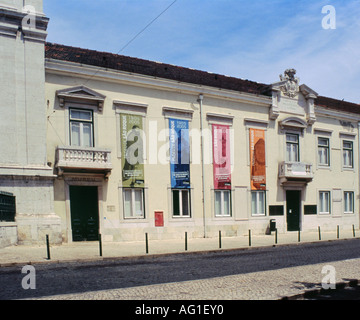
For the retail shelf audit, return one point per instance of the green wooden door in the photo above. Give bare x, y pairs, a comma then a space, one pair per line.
293, 210
84, 213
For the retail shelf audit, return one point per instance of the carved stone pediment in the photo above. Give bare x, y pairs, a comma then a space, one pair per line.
289, 83
81, 94
294, 123
288, 96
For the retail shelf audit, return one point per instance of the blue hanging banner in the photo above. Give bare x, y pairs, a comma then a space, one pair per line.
179, 153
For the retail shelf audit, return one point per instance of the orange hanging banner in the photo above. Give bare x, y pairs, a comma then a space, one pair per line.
257, 159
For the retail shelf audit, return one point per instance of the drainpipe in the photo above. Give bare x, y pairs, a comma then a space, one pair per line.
201, 97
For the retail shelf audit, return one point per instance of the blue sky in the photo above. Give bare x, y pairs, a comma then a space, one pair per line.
255, 40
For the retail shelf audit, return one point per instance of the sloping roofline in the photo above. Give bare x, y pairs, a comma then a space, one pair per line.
171, 72
151, 68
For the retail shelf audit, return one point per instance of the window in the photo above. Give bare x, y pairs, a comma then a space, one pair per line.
292, 148
134, 203
323, 152
348, 202
222, 203
324, 202
347, 154
258, 203
81, 128
181, 202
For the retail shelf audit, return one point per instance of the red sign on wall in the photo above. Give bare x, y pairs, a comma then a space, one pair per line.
159, 219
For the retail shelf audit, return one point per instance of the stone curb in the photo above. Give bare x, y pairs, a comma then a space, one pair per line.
158, 255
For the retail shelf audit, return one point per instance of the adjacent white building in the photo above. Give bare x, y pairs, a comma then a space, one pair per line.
24, 172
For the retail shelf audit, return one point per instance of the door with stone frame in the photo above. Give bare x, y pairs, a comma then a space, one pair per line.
84, 210
293, 209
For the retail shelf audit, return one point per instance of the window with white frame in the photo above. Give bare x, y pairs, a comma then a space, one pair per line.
81, 128
134, 203
348, 154
292, 147
181, 202
258, 203
222, 203
323, 151
348, 202
324, 202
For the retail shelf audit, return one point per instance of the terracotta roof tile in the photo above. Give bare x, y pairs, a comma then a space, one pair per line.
337, 104
150, 68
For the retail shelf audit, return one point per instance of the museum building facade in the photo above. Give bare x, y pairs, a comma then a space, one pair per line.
99, 143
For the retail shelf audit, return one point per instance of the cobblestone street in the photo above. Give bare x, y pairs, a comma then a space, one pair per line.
256, 274
266, 285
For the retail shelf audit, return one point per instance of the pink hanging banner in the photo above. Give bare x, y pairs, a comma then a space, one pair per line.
221, 157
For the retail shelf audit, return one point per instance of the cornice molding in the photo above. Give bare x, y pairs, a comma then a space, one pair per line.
82, 94
343, 115
133, 107
169, 112
293, 123
96, 73
11, 23
87, 72
216, 118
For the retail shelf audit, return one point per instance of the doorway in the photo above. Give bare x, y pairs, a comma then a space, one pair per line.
293, 200
84, 213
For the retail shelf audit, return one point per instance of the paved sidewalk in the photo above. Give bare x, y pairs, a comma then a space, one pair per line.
85, 251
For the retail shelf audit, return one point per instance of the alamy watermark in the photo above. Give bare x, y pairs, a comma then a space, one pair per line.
329, 280
29, 21
329, 20
158, 144
28, 281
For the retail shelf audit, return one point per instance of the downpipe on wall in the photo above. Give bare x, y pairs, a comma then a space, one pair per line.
200, 100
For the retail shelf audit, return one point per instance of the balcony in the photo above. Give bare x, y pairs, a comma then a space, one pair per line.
295, 172
83, 160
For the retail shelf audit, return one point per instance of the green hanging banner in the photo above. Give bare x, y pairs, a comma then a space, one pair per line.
132, 144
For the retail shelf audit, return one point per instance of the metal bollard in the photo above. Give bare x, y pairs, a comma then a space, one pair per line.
249, 238
353, 227
146, 243
48, 247
337, 232
100, 245
276, 236
186, 242
219, 239
319, 232
299, 236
